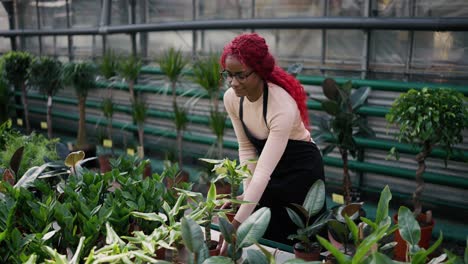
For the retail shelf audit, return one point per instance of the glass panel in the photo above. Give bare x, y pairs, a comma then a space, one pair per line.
27, 18
86, 47
53, 14
344, 46
120, 43
169, 10
161, 41
30, 44
346, 7
390, 8
225, 9
389, 47
85, 13
62, 47
120, 12
441, 8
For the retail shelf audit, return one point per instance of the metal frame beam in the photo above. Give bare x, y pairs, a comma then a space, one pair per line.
363, 23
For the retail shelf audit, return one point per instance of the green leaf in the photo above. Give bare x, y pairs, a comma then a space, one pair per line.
340, 256
252, 229
255, 256
353, 229
295, 217
408, 226
331, 107
160, 217
359, 97
382, 207
226, 229
315, 198
192, 235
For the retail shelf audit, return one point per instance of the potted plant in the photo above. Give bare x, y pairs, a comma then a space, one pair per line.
129, 69
343, 123
108, 70
139, 113
208, 207
426, 118
81, 76
16, 66
207, 75
46, 74
172, 64
306, 248
234, 174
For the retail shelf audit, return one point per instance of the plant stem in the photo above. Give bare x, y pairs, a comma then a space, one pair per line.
81, 141
346, 177
49, 116
420, 158
25, 104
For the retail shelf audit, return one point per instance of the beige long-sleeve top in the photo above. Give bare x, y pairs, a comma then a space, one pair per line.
283, 123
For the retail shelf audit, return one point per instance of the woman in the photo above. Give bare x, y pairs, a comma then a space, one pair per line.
267, 107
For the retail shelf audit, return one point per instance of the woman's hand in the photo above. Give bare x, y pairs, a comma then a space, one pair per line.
222, 245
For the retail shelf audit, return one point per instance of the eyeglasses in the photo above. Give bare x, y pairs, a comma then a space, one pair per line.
240, 76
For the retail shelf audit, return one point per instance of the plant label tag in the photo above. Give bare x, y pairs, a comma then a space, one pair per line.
107, 143
43, 125
19, 122
130, 151
70, 146
337, 198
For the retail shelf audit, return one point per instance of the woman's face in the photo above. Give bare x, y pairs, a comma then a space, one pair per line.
242, 79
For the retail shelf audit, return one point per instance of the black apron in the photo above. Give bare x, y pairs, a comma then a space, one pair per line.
299, 167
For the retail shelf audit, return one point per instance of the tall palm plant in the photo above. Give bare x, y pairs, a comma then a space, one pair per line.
46, 74
16, 67
129, 69
172, 64
139, 116
108, 70
207, 75
81, 76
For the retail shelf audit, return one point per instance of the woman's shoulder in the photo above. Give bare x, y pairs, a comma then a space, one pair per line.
279, 94
230, 98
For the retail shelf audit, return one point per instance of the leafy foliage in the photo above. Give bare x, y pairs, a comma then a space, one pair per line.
428, 117
343, 123
16, 65
37, 149
46, 74
312, 205
81, 76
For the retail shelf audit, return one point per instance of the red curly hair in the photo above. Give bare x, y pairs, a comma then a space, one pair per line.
251, 50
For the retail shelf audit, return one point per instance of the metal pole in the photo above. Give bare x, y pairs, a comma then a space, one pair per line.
144, 12
252, 15
9, 8
409, 57
201, 13
70, 37
323, 53
194, 32
365, 48
133, 21
38, 21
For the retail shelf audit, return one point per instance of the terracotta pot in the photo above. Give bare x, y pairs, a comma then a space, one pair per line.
182, 176
104, 164
147, 172
213, 248
314, 254
223, 188
161, 253
401, 247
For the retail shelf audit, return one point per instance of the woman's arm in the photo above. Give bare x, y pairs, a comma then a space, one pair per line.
246, 150
280, 123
